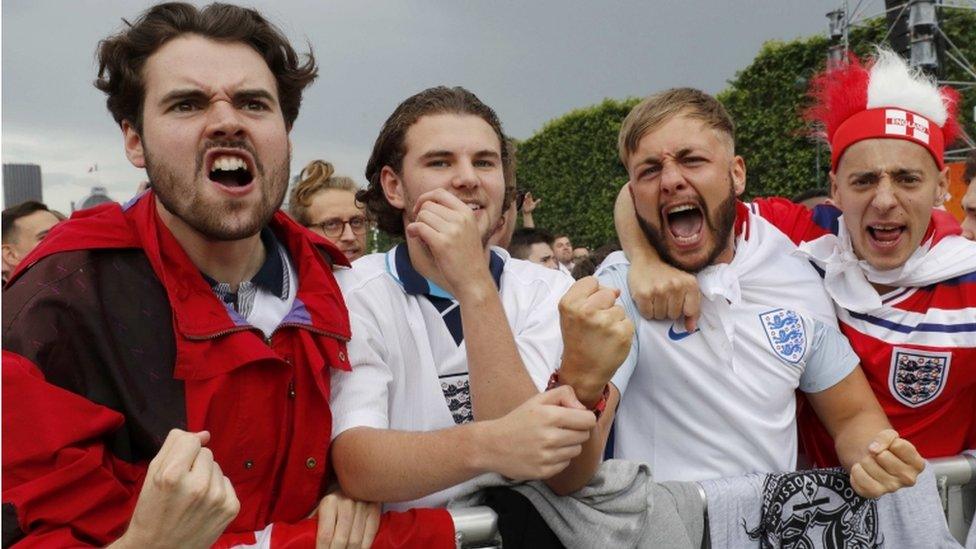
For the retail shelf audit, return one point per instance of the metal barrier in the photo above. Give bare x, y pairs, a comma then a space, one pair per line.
955, 478
475, 527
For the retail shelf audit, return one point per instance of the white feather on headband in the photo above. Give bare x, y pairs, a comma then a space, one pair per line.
893, 83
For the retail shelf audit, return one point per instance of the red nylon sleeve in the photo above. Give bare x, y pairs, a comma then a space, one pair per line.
794, 220
65, 487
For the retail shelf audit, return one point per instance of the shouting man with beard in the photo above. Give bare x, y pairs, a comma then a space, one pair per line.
166, 363
718, 400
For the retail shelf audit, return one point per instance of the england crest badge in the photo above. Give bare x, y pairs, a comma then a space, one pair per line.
786, 334
917, 377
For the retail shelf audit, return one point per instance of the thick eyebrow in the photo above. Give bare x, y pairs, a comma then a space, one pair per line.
199, 95
436, 154
683, 152
245, 95
896, 172
901, 172
863, 174
182, 95
687, 151
490, 153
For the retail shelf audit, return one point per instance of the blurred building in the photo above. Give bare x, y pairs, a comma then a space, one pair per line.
21, 182
98, 196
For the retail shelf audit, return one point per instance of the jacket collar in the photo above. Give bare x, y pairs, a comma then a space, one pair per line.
197, 312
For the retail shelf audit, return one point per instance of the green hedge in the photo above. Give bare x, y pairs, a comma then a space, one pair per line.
572, 164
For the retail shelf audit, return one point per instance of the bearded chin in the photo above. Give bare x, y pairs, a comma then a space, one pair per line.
221, 221
720, 228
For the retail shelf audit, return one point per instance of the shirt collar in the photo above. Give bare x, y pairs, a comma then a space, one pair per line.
401, 269
272, 276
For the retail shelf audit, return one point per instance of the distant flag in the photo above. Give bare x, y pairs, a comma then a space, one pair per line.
93, 168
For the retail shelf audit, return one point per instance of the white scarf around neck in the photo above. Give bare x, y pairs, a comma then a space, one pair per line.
849, 279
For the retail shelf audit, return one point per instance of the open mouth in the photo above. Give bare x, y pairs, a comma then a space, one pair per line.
684, 222
886, 235
230, 170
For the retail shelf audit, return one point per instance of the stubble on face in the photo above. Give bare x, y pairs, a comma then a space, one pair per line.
225, 220
719, 226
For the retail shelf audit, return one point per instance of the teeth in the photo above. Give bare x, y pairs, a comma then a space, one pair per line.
885, 227
682, 208
229, 163
474, 206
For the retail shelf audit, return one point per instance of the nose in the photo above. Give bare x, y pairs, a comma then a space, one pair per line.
884, 197
223, 120
672, 180
465, 175
347, 234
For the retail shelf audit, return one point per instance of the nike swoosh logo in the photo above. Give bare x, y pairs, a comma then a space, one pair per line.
678, 336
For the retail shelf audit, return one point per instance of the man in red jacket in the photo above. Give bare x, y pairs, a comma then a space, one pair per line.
166, 364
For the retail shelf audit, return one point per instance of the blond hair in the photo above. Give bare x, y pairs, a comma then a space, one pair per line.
657, 109
314, 178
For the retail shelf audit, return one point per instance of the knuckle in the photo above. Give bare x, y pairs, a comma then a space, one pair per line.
232, 505
168, 478
197, 491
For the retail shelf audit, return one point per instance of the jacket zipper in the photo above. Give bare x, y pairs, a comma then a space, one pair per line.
221, 333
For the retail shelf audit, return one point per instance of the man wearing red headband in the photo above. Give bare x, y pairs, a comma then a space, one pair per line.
902, 279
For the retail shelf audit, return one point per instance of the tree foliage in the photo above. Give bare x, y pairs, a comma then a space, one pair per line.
572, 164
572, 161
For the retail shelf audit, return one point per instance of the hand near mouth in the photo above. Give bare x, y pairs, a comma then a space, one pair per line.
449, 230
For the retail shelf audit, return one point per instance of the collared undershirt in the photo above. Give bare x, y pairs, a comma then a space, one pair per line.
272, 279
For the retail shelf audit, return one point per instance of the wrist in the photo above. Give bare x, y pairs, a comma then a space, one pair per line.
130, 540
593, 395
588, 387
476, 289
479, 437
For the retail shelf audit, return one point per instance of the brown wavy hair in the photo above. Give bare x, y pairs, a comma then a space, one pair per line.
314, 178
390, 147
122, 56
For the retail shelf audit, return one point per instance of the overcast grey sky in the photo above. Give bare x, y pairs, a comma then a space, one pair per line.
530, 60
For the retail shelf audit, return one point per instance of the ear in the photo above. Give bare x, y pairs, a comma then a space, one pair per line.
392, 187
133, 145
834, 196
10, 258
942, 188
738, 175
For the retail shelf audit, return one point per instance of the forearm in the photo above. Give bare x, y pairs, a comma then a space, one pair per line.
851, 414
632, 239
853, 437
584, 466
498, 379
384, 465
527, 221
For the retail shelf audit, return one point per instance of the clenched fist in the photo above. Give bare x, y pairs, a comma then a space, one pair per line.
538, 439
891, 463
596, 337
186, 501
